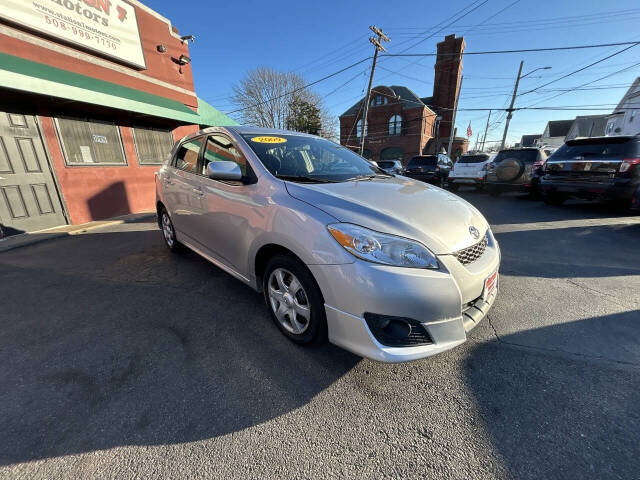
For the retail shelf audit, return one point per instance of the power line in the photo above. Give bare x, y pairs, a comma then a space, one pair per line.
581, 69
524, 50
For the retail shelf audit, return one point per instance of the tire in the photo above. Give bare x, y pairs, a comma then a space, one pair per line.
308, 327
554, 199
509, 170
169, 232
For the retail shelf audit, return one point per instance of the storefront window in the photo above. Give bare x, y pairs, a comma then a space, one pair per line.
152, 145
90, 142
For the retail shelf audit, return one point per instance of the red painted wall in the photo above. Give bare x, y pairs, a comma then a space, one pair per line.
94, 192
99, 192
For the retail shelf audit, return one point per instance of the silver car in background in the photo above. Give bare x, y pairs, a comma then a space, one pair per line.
387, 267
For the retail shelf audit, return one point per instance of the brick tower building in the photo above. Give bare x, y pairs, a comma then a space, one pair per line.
400, 123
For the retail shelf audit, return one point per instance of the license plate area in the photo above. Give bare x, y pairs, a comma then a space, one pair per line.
490, 285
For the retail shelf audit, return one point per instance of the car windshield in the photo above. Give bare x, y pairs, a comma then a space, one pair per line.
422, 162
604, 149
386, 164
307, 159
473, 159
527, 156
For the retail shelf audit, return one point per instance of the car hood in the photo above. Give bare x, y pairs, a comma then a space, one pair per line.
399, 206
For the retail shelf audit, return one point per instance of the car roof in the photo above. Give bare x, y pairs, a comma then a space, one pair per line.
245, 130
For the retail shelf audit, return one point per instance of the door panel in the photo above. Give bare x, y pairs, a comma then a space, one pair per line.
28, 197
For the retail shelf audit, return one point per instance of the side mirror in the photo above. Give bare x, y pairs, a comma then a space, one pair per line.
224, 170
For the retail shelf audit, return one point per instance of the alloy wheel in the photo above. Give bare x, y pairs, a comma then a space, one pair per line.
289, 301
167, 229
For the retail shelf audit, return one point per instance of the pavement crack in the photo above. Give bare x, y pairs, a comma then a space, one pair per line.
617, 301
557, 350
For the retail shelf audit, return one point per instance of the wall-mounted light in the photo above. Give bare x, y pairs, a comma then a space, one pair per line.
188, 37
161, 48
184, 60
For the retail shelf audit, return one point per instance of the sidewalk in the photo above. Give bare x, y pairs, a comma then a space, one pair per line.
31, 238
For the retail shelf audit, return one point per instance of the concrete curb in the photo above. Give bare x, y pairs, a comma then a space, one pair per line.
26, 239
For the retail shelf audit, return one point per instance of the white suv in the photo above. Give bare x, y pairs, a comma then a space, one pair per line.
470, 169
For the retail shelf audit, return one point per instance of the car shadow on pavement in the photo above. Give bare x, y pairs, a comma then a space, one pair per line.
589, 251
114, 341
551, 414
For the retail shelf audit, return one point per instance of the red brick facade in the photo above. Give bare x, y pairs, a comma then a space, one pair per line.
92, 192
418, 115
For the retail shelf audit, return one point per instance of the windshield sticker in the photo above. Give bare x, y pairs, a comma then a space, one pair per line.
269, 140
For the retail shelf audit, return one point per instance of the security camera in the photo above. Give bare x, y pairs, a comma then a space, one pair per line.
188, 37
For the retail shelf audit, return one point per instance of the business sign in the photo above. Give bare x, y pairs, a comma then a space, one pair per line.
108, 27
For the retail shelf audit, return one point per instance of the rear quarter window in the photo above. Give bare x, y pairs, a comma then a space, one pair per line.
526, 156
605, 149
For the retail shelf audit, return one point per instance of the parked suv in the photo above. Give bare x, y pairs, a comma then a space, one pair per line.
429, 168
390, 166
339, 249
604, 168
515, 169
470, 169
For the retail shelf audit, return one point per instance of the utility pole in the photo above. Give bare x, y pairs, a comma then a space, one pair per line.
486, 128
378, 47
510, 111
453, 121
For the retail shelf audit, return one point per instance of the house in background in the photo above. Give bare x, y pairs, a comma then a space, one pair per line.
625, 119
554, 133
400, 124
529, 140
587, 126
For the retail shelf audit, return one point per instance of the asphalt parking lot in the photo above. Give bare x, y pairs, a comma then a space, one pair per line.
119, 359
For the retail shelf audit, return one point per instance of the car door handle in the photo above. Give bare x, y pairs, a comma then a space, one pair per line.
168, 182
198, 192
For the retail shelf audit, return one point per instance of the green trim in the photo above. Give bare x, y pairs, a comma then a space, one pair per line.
25, 75
212, 116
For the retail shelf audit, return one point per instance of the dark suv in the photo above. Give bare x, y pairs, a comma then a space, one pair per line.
515, 169
603, 168
429, 168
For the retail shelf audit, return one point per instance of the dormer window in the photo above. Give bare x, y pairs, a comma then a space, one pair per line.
379, 100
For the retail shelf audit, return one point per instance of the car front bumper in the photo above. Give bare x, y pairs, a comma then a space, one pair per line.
448, 302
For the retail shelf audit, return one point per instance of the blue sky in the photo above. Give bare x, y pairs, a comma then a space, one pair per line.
318, 38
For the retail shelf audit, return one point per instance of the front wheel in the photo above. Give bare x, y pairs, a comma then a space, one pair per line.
294, 300
169, 232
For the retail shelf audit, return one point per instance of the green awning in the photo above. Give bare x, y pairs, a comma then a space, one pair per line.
20, 74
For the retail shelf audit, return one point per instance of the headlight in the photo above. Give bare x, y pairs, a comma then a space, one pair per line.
382, 248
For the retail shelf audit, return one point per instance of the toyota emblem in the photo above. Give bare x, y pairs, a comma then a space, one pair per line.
474, 232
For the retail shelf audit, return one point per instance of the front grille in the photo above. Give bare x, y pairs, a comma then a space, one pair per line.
472, 253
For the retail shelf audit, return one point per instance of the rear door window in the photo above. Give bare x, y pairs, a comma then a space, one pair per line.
473, 159
606, 149
187, 156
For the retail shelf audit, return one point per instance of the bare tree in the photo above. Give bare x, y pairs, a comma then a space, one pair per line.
264, 98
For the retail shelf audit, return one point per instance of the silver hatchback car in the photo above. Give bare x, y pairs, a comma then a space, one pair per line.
387, 267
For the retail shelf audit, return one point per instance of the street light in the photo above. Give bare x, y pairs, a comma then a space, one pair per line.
541, 68
513, 99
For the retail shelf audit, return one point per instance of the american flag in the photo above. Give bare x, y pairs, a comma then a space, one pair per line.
469, 132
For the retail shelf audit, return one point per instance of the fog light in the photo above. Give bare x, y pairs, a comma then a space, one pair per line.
397, 331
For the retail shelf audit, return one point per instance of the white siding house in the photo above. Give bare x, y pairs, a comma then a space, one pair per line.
625, 119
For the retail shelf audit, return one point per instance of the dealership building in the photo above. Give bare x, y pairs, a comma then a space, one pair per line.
93, 93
